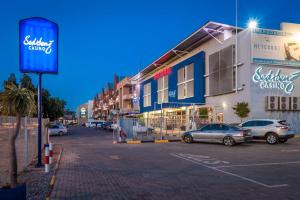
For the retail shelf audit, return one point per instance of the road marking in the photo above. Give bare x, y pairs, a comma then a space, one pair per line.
260, 164
203, 159
290, 150
229, 173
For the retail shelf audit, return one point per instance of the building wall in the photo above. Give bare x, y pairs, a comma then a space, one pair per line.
199, 85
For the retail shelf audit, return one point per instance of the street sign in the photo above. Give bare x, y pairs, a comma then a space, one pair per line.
38, 46
38, 42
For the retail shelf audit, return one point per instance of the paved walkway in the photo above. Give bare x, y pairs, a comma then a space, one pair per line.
94, 168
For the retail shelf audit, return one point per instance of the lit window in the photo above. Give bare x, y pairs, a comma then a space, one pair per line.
185, 85
147, 95
162, 90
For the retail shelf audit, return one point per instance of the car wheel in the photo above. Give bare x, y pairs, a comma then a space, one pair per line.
228, 141
283, 140
61, 133
272, 138
188, 139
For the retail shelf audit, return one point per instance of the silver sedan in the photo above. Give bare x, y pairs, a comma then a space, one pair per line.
220, 133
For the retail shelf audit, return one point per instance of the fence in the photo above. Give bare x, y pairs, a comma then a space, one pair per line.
26, 143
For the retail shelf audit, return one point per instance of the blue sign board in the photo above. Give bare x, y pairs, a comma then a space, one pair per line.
38, 41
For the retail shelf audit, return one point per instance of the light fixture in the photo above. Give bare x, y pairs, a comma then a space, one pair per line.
296, 36
252, 24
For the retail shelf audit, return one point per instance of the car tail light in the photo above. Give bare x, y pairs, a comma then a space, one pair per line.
282, 127
240, 134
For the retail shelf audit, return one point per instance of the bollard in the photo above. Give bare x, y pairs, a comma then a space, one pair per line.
47, 166
50, 153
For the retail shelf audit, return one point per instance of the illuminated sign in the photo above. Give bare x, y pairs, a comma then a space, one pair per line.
83, 112
172, 94
275, 80
275, 47
38, 41
162, 73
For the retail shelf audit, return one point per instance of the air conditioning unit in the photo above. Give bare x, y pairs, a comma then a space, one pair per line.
295, 103
272, 103
284, 103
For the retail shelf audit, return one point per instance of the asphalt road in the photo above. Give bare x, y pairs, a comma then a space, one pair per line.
94, 168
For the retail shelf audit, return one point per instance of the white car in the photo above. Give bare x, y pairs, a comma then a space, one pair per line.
57, 129
271, 130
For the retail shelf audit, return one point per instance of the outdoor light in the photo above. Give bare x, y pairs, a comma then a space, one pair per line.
297, 36
252, 24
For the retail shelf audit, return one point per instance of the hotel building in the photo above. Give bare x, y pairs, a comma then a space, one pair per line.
204, 76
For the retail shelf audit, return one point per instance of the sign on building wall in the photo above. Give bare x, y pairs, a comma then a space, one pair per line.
275, 79
83, 113
275, 47
38, 41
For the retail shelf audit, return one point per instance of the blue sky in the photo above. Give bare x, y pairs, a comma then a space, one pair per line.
101, 38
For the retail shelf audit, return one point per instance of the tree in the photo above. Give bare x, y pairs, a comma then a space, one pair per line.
241, 110
26, 82
11, 80
16, 101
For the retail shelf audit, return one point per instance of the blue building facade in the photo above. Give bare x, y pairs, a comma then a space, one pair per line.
198, 61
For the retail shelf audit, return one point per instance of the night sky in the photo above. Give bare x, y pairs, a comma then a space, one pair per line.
104, 37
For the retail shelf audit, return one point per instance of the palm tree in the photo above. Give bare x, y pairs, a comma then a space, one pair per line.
16, 101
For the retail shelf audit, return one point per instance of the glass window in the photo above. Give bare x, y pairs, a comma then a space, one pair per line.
147, 95
222, 71
249, 123
263, 123
206, 128
162, 90
185, 85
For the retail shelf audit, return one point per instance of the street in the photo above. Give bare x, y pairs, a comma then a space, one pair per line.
92, 167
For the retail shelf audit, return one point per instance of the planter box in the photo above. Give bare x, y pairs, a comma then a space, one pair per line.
18, 193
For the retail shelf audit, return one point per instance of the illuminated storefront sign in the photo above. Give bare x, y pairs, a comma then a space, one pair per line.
275, 47
38, 41
162, 73
275, 79
83, 112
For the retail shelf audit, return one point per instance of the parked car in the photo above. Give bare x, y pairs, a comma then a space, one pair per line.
107, 125
219, 133
100, 124
271, 130
57, 129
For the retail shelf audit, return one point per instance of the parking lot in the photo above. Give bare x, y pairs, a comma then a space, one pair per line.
94, 168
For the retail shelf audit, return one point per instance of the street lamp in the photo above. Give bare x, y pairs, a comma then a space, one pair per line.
252, 24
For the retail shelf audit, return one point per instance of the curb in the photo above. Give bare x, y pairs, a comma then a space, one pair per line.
161, 141
53, 178
133, 142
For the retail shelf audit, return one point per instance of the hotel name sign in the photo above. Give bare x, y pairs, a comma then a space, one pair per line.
275, 47
275, 79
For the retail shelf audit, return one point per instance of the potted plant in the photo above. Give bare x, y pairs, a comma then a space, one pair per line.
241, 110
19, 102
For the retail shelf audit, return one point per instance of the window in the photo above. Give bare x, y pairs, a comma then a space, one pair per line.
249, 123
162, 90
185, 85
222, 71
147, 95
263, 123
206, 128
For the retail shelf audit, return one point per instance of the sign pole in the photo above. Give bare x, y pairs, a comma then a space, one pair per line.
40, 121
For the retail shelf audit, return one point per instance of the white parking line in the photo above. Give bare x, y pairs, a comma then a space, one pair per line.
259, 164
229, 173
